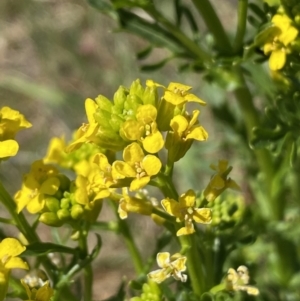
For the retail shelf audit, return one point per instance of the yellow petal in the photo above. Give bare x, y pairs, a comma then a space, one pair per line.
187, 199
185, 231
16, 263
197, 133
50, 186
159, 275
179, 124
277, 60
124, 169
202, 215
217, 182
152, 165
194, 98
133, 153
36, 204
90, 108
179, 264
163, 259
11, 247
153, 143
146, 114
172, 207
8, 148
137, 184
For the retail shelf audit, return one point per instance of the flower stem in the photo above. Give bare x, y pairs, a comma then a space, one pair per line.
214, 24
241, 25
129, 241
88, 271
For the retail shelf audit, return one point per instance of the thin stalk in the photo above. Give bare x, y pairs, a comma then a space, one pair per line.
129, 241
88, 271
241, 25
213, 24
180, 36
194, 265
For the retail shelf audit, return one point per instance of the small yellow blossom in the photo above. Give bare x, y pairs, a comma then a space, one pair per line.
87, 132
184, 210
278, 44
11, 122
177, 94
219, 182
56, 151
144, 129
133, 204
170, 266
238, 281
43, 293
42, 180
137, 166
10, 248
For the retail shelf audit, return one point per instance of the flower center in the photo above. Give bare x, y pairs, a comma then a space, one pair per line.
140, 172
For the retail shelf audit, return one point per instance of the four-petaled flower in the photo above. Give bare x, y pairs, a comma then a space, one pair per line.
144, 129
280, 37
10, 248
177, 94
43, 293
137, 166
170, 266
219, 182
11, 122
185, 210
93, 183
42, 180
87, 132
238, 281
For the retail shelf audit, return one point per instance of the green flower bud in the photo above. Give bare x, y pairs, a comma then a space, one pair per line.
120, 97
65, 203
52, 204
104, 103
136, 88
50, 219
77, 211
108, 139
150, 96
165, 113
63, 214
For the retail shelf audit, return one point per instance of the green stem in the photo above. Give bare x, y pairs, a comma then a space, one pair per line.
129, 241
194, 265
263, 157
180, 36
7, 221
241, 25
214, 24
87, 272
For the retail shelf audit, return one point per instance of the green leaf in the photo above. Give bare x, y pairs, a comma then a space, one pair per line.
104, 7
42, 248
144, 53
154, 67
293, 154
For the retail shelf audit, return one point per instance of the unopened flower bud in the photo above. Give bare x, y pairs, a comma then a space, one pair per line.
77, 211
52, 204
50, 219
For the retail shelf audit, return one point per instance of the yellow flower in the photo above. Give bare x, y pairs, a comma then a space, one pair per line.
238, 281
185, 130
170, 266
11, 122
280, 39
144, 129
137, 166
10, 248
87, 132
133, 204
56, 151
219, 182
95, 184
185, 210
41, 181
177, 94
44, 293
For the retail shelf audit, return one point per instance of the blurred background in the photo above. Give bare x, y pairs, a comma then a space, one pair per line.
56, 53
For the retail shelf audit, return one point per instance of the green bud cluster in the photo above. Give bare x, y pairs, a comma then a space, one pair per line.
151, 292
227, 209
86, 151
58, 211
110, 115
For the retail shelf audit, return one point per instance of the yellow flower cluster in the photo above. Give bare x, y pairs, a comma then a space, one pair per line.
280, 38
11, 122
